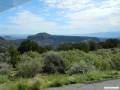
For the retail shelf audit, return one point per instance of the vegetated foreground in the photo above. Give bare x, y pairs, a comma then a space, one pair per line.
26, 68
91, 86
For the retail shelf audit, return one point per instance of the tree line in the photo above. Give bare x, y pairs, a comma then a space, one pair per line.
90, 46
28, 45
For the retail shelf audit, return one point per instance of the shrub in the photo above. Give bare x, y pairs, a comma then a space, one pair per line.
115, 62
30, 55
81, 67
53, 63
4, 57
105, 64
72, 56
100, 61
29, 68
4, 68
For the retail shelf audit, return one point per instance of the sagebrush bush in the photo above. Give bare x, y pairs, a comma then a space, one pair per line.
4, 57
30, 64
72, 56
4, 68
29, 68
27, 56
115, 62
53, 63
81, 67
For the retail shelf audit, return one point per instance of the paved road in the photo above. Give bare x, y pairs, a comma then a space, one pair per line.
91, 86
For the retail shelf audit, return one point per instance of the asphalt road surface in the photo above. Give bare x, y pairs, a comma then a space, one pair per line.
101, 85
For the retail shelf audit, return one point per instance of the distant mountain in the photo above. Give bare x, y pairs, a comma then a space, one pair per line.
15, 37
102, 35
46, 39
1, 39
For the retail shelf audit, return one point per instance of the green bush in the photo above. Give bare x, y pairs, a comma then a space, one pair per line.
72, 56
53, 63
115, 62
4, 57
100, 62
29, 67
30, 55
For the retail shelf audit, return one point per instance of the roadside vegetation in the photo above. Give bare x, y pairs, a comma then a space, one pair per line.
34, 67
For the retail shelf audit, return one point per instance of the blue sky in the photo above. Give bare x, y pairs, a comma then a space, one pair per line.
61, 17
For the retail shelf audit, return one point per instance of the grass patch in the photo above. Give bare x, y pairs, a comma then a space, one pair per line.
54, 80
57, 80
19, 84
78, 78
3, 79
94, 75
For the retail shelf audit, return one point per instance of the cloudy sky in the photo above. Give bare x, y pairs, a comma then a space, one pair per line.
61, 17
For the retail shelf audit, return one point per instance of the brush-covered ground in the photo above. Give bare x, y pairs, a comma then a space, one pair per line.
54, 69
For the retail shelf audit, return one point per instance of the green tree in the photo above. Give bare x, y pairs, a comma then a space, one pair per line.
28, 45
65, 46
14, 54
93, 46
111, 43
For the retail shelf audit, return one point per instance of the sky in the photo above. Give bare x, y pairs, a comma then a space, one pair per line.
61, 17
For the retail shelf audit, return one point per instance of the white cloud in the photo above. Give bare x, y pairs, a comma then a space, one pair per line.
31, 21
88, 15
79, 16
71, 5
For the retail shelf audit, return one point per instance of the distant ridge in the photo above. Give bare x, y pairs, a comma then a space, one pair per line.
46, 39
102, 35
1, 38
3, 43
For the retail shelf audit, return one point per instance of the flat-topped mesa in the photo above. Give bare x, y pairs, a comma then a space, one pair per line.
44, 35
45, 38
39, 36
